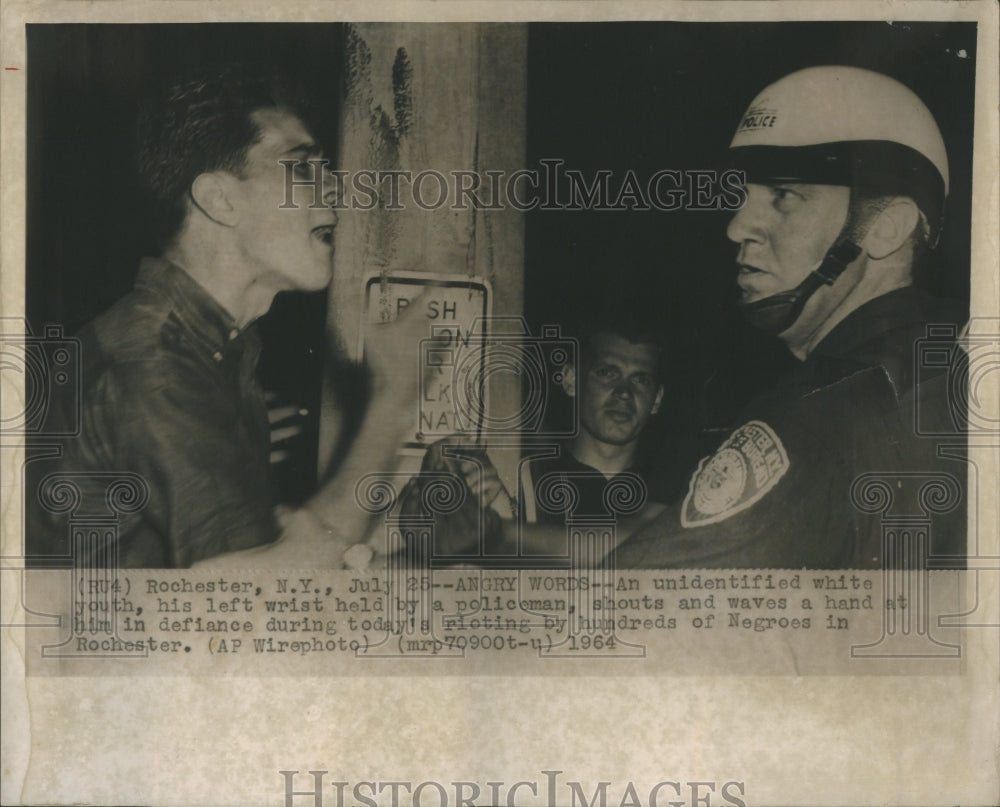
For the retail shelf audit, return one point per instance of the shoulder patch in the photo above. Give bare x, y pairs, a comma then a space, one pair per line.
735, 477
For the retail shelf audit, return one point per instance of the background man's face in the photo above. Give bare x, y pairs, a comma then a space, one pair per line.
292, 248
784, 231
619, 389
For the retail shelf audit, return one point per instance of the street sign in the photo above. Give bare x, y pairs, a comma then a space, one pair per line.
457, 308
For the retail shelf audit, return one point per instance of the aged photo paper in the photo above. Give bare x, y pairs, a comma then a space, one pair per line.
487, 403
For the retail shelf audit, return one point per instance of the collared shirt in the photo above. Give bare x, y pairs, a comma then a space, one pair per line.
169, 394
852, 436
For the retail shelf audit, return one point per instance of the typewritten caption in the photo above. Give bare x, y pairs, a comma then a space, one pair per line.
483, 621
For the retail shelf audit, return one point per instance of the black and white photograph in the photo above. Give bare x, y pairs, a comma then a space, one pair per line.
500, 404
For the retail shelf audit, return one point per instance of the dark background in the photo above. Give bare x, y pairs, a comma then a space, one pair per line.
618, 96
651, 96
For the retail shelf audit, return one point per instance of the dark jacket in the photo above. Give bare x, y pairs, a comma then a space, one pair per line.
854, 441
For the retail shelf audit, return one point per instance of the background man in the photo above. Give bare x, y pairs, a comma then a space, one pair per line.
618, 388
168, 385
847, 174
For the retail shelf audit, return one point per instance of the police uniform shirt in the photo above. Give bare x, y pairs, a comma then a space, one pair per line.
778, 492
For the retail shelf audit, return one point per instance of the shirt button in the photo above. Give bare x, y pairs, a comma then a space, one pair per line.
233, 333
217, 356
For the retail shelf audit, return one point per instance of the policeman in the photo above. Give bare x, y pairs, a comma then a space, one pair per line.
847, 175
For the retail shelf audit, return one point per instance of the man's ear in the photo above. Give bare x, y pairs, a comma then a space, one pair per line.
210, 193
892, 228
657, 401
569, 380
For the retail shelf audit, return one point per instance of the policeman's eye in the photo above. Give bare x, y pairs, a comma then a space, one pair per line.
783, 196
606, 373
644, 380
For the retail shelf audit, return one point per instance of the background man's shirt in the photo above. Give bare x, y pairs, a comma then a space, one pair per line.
548, 482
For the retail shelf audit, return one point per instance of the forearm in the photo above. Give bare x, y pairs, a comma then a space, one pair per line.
303, 543
550, 539
283, 553
374, 448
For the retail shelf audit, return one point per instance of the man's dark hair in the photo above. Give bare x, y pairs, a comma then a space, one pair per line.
199, 124
635, 329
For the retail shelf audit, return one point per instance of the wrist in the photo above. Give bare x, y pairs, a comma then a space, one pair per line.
391, 407
345, 553
313, 536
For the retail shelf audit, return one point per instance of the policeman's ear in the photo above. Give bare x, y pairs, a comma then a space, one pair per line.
568, 382
211, 193
892, 228
657, 401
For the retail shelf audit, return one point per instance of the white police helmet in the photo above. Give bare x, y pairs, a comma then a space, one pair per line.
845, 126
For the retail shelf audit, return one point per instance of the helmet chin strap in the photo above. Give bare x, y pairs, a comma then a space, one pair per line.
777, 313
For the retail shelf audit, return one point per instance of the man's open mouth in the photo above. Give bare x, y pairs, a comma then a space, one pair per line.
746, 272
324, 233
